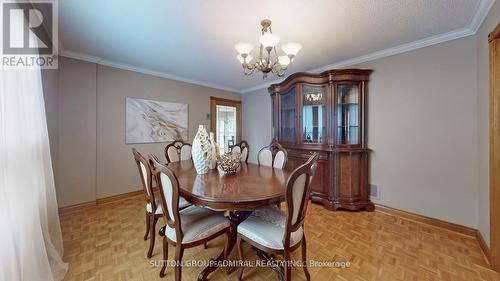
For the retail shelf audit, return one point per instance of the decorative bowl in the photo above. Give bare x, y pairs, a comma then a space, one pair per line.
228, 163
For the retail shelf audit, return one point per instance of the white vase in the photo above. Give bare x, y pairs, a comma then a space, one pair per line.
213, 152
201, 151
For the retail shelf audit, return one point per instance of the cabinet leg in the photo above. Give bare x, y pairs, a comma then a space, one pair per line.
370, 207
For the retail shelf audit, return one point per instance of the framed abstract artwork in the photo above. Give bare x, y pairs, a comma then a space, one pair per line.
150, 121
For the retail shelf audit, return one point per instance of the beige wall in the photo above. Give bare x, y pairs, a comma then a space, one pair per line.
77, 132
51, 95
422, 127
256, 121
116, 172
93, 160
483, 118
423, 130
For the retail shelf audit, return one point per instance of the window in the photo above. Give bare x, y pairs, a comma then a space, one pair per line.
225, 122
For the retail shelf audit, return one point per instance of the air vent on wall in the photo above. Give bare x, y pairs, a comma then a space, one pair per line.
375, 191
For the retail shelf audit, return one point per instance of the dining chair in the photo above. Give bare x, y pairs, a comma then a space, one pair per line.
153, 210
184, 228
178, 150
242, 148
175, 151
273, 155
277, 232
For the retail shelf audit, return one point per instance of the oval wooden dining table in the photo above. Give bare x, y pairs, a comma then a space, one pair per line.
252, 187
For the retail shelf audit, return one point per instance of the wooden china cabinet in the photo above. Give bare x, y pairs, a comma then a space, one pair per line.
326, 113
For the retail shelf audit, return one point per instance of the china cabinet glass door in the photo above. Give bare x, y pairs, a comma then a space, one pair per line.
273, 118
287, 116
348, 103
313, 114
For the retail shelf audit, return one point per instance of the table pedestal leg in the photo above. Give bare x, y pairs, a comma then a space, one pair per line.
235, 218
273, 263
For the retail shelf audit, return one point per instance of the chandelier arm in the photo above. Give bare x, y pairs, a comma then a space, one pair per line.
279, 69
256, 65
276, 69
279, 73
249, 71
268, 60
260, 52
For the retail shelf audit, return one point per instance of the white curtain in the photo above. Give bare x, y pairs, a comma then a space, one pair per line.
30, 235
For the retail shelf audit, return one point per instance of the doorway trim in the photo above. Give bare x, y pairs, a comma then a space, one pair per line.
214, 101
494, 131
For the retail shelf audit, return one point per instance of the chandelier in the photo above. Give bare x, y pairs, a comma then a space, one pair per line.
268, 59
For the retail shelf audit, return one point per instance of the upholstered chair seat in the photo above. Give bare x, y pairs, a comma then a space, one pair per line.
197, 224
277, 232
267, 227
183, 203
188, 227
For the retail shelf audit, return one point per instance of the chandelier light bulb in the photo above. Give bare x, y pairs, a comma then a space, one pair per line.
243, 48
269, 40
242, 60
291, 48
284, 60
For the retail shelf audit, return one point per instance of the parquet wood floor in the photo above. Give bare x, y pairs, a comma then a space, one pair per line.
105, 242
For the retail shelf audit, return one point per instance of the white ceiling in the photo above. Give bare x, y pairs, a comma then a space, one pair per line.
192, 40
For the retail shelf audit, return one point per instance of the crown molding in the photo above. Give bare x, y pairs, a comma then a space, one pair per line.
381, 54
79, 56
480, 15
429, 41
124, 66
166, 75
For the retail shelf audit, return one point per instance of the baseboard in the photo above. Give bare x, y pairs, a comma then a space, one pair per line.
465, 230
85, 205
461, 229
484, 246
118, 197
77, 207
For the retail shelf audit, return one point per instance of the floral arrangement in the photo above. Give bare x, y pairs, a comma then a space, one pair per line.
229, 163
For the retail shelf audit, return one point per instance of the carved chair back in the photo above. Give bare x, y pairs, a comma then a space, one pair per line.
242, 148
146, 177
168, 189
273, 155
298, 191
177, 150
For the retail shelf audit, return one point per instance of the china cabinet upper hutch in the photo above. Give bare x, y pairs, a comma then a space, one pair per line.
326, 113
